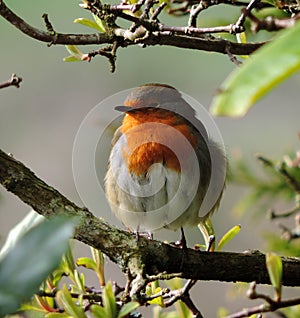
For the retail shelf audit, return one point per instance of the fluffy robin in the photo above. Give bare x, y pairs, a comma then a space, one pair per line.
162, 165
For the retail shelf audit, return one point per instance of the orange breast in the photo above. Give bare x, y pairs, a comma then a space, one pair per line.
156, 137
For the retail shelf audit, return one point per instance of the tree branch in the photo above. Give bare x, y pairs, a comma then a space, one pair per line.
163, 36
141, 256
270, 305
13, 81
49, 37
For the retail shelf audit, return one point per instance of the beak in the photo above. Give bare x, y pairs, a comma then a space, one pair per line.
124, 109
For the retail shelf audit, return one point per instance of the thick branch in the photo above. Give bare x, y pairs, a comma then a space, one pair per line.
57, 38
186, 42
148, 256
156, 38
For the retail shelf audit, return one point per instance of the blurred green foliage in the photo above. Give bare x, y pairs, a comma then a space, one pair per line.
29, 258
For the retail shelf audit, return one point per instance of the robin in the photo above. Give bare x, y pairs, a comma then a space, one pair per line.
162, 163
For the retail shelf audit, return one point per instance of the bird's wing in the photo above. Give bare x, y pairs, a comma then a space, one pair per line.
116, 136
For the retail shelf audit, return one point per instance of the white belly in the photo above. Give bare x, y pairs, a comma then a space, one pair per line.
161, 198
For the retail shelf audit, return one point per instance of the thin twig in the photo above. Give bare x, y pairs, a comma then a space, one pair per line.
161, 293
286, 214
189, 303
233, 58
158, 10
282, 169
159, 38
239, 25
272, 24
183, 7
148, 5
48, 24
195, 11
290, 234
13, 81
162, 276
270, 305
192, 31
132, 7
175, 295
92, 296
108, 52
183, 295
289, 178
50, 29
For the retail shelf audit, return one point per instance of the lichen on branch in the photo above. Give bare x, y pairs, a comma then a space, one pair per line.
140, 256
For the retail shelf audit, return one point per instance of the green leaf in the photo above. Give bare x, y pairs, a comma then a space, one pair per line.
101, 24
79, 280
272, 11
128, 308
98, 258
158, 300
96, 264
98, 311
109, 301
67, 266
282, 246
292, 171
87, 263
293, 311
272, 2
222, 312
76, 54
274, 267
68, 262
17, 232
207, 230
228, 237
159, 312
55, 277
57, 315
89, 23
31, 307
65, 300
73, 50
242, 38
151, 290
39, 304
182, 308
175, 283
24, 267
72, 58
270, 65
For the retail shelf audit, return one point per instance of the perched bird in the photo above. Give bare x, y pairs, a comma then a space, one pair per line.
162, 163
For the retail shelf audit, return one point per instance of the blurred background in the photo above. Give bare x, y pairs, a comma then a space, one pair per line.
39, 121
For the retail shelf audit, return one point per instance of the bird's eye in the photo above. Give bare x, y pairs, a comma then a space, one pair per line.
154, 105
